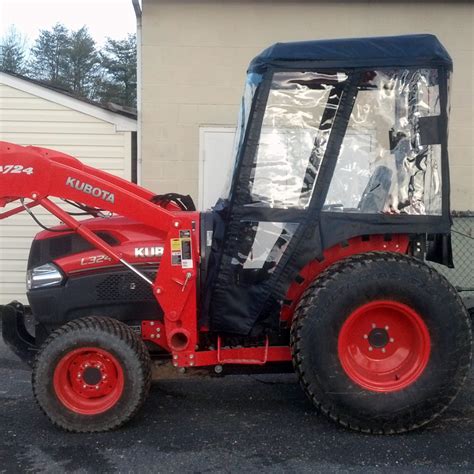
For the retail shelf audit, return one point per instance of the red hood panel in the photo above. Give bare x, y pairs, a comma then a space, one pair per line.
139, 244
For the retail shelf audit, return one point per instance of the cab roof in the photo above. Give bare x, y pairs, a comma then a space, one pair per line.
406, 50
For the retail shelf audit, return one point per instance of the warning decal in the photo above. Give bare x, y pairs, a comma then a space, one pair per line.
186, 252
181, 250
175, 252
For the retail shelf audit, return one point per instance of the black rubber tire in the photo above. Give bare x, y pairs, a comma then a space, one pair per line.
332, 297
107, 334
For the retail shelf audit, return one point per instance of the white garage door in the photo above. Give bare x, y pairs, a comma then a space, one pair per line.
215, 164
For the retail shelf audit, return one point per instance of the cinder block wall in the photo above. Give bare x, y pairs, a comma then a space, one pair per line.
195, 53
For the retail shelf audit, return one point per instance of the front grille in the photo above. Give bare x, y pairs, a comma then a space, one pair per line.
125, 287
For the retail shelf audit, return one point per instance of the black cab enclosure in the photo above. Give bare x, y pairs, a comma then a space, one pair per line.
336, 139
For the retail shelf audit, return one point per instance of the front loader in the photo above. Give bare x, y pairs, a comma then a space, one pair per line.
312, 261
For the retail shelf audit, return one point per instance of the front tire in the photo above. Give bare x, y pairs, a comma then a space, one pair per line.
91, 375
381, 343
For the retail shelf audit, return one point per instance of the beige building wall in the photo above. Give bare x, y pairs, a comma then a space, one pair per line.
195, 53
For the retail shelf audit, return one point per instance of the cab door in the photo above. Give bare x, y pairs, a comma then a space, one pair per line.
273, 205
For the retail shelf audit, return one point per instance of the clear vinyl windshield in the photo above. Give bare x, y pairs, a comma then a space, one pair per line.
251, 84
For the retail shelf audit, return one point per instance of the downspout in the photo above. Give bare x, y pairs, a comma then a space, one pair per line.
138, 14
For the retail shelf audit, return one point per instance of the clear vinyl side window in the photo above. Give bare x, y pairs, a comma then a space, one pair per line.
261, 246
297, 122
390, 159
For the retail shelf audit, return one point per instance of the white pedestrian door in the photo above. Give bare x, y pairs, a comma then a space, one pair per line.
215, 164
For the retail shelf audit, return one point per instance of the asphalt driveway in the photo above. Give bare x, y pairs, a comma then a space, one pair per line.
244, 423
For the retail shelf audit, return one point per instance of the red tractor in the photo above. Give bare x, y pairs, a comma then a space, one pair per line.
312, 261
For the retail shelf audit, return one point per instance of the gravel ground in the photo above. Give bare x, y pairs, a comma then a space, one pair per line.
235, 424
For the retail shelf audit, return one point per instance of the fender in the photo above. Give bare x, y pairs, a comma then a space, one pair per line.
398, 243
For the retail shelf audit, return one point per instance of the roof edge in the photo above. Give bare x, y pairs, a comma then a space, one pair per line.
122, 122
412, 50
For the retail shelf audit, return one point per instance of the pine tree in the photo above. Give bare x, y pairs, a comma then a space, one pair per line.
83, 62
70, 60
119, 60
12, 52
49, 56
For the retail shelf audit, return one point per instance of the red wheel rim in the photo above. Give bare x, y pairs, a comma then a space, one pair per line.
384, 346
88, 381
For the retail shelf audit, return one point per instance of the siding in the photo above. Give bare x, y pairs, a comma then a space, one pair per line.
193, 74
26, 119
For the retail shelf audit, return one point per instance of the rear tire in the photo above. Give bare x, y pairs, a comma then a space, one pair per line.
91, 375
381, 343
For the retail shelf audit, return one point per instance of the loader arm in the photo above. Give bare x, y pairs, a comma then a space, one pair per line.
39, 174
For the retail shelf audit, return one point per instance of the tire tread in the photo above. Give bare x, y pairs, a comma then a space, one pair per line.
309, 299
115, 329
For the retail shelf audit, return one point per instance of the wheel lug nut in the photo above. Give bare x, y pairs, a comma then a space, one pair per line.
386, 328
392, 339
371, 348
383, 350
84, 386
97, 387
373, 325
365, 336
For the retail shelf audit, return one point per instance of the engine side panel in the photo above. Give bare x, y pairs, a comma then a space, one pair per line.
93, 284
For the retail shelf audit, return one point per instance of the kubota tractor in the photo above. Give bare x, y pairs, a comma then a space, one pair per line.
312, 261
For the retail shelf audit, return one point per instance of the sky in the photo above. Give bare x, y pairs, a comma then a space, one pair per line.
114, 18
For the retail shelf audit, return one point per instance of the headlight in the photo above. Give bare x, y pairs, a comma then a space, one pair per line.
43, 276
